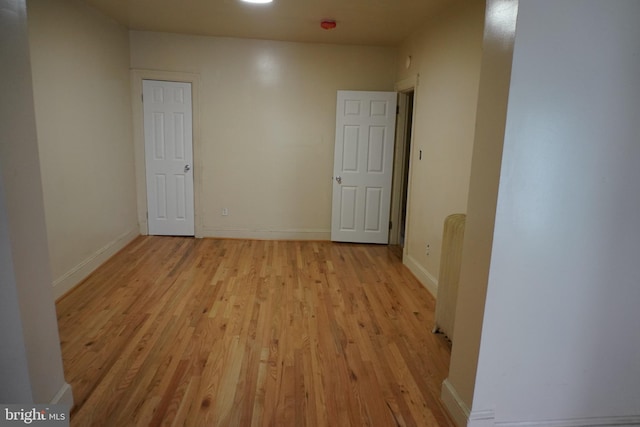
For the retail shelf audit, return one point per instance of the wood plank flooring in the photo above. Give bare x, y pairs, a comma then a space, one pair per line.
205, 332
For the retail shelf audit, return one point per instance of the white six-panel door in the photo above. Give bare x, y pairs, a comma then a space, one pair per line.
363, 166
169, 157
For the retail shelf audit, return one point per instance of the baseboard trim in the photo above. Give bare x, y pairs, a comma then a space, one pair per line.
267, 234
483, 418
454, 404
620, 421
64, 396
487, 418
77, 274
423, 276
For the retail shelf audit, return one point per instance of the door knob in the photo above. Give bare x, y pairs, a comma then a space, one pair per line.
187, 168
339, 179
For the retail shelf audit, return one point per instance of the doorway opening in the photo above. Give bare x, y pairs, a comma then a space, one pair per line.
398, 232
405, 175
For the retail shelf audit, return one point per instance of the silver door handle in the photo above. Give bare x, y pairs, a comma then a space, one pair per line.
187, 168
339, 179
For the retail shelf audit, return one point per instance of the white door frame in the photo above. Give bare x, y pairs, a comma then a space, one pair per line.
137, 76
402, 87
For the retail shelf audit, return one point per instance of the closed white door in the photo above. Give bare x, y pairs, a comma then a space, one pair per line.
168, 157
363, 166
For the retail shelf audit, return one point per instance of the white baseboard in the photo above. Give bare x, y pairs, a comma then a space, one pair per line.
483, 418
64, 396
423, 276
617, 421
454, 404
267, 234
487, 418
78, 273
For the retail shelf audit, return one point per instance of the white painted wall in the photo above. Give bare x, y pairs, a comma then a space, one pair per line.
30, 358
446, 54
80, 62
15, 385
266, 131
560, 334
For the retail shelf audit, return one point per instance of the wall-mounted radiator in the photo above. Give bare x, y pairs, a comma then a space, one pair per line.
450, 262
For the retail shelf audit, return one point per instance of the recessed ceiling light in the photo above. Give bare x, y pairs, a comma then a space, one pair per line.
257, 1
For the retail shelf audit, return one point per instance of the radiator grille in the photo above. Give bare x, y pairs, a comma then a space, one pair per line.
450, 261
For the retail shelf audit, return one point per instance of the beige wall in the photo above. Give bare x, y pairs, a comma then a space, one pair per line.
483, 192
446, 56
80, 62
267, 113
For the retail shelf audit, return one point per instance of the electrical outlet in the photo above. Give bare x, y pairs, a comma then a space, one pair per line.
428, 249
225, 211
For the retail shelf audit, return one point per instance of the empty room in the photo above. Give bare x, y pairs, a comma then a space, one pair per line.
321, 213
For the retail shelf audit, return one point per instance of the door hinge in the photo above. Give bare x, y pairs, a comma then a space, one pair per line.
142, 97
397, 109
147, 216
390, 225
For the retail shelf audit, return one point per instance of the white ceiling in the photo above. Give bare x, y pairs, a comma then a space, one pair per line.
364, 22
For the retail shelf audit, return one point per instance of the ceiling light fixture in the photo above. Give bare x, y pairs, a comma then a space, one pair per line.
257, 1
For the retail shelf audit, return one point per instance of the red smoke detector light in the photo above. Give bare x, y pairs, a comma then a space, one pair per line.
328, 24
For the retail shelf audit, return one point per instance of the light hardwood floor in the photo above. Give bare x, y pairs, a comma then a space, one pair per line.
206, 332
